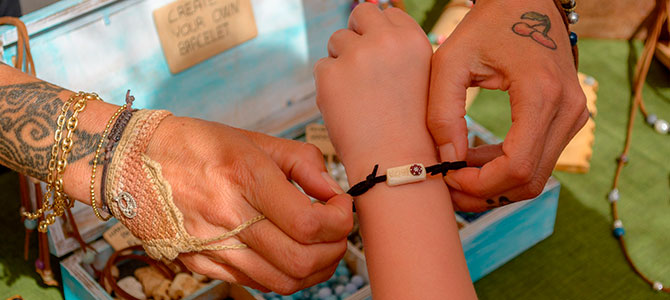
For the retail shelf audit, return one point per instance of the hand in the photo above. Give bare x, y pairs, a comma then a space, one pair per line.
222, 177
372, 90
494, 48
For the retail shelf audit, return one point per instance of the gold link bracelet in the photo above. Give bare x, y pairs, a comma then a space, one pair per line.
57, 165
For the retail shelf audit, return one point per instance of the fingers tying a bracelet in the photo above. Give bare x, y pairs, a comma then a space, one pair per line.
291, 257
202, 265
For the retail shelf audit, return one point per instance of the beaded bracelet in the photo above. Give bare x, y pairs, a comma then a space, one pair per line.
403, 175
113, 140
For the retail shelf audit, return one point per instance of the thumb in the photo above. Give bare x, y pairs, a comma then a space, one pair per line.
449, 79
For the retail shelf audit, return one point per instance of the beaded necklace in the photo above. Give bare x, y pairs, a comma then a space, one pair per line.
661, 126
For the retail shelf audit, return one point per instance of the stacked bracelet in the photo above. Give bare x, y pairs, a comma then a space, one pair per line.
58, 162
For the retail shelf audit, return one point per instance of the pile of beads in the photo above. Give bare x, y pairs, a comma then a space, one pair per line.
339, 287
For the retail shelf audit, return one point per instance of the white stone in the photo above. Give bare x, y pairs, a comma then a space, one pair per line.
658, 286
613, 196
403, 174
661, 126
618, 224
131, 286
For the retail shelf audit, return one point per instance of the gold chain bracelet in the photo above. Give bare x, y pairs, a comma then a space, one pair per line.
54, 188
94, 204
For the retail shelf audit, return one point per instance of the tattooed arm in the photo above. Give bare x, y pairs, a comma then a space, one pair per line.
29, 108
220, 177
518, 46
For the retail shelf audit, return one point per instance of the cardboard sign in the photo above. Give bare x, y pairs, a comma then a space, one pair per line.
192, 31
119, 237
317, 134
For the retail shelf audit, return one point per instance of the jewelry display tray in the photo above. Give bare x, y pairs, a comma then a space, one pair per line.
265, 84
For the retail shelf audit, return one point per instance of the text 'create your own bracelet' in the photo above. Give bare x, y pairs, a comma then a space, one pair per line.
403, 175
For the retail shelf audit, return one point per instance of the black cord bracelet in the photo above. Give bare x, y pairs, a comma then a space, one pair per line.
402, 175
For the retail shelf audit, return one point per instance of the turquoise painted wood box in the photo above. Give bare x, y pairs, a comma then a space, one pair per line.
265, 84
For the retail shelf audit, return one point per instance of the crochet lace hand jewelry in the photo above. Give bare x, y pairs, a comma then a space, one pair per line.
403, 175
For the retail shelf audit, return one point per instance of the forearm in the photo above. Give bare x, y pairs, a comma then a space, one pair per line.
29, 108
410, 234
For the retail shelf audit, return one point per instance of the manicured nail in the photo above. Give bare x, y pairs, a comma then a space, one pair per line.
451, 182
448, 152
333, 184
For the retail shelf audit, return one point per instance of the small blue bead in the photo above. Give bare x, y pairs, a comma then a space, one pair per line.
325, 293
339, 289
30, 224
618, 232
351, 288
342, 271
573, 38
432, 38
358, 281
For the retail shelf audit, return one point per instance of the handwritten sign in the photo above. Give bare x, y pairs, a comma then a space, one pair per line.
192, 31
119, 237
317, 134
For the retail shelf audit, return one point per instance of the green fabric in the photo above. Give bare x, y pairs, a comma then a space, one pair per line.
18, 276
582, 260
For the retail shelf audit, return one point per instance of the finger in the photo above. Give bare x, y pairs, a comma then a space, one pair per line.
290, 257
566, 128
264, 273
446, 105
202, 265
400, 18
301, 162
483, 154
365, 17
341, 41
321, 67
295, 214
522, 148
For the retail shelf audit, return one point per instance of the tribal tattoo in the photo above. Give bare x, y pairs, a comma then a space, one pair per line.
538, 29
28, 113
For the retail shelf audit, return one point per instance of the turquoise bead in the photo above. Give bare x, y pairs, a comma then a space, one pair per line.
30, 224
573, 38
618, 232
342, 271
432, 38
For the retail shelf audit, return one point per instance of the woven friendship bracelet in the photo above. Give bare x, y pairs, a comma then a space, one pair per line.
139, 196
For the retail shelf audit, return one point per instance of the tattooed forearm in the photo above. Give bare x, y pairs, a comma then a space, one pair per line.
537, 29
28, 114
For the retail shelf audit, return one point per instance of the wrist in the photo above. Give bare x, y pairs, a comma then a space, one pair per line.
359, 164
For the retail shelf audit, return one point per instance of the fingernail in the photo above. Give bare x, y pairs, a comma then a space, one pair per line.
451, 182
333, 185
448, 152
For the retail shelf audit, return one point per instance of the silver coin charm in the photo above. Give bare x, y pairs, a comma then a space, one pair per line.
127, 204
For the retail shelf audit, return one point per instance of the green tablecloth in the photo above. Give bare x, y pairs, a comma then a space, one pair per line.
581, 260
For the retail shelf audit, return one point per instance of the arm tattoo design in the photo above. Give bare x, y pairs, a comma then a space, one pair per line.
28, 113
538, 29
